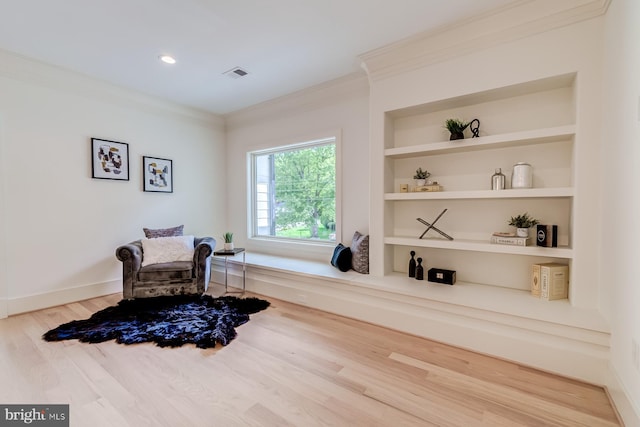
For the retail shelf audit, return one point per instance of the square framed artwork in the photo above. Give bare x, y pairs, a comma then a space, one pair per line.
157, 174
109, 159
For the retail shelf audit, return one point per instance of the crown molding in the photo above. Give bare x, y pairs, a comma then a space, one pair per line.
518, 20
31, 71
306, 99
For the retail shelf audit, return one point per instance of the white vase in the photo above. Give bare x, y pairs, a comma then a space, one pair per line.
228, 246
522, 232
420, 182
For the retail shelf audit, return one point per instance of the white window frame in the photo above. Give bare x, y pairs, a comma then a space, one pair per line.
283, 245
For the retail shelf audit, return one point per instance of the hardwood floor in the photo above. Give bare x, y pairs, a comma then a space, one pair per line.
289, 366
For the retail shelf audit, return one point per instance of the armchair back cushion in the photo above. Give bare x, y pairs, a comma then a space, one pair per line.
151, 233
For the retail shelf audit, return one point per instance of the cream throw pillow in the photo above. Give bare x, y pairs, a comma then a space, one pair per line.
167, 249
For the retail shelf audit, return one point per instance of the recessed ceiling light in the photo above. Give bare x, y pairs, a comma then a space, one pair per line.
167, 59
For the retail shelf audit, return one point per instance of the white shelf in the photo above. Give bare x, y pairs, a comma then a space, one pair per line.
528, 137
480, 246
484, 194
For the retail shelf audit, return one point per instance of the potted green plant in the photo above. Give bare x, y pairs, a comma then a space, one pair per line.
456, 127
522, 223
421, 177
228, 241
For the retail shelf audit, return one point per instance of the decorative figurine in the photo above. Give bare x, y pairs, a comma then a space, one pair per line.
431, 226
419, 270
475, 130
412, 265
497, 180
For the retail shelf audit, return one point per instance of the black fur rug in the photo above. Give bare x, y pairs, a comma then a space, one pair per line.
168, 321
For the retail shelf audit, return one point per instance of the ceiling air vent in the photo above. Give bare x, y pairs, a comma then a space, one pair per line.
236, 73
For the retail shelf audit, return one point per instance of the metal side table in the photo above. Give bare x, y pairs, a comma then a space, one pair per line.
230, 253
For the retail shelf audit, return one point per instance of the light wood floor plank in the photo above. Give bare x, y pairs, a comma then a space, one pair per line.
289, 366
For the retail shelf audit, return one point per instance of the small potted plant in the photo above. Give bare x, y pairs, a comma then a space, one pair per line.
456, 127
523, 223
421, 177
228, 241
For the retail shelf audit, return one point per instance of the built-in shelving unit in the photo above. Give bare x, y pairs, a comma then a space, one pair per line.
542, 111
532, 122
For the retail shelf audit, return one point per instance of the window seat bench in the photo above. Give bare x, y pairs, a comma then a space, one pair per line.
506, 323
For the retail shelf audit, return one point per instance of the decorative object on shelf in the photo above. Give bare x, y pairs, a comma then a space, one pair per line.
109, 159
157, 175
508, 239
432, 226
412, 264
535, 280
550, 281
421, 177
442, 233
404, 188
439, 275
456, 127
228, 241
419, 270
522, 176
474, 127
428, 188
497, 180
522, 223
547, 235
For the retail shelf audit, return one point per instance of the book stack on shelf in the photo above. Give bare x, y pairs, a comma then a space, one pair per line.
510, 239
427, 188
550, 281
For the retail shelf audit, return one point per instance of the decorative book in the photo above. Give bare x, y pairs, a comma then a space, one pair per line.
550, 281
508, 239
427, 188
535, 280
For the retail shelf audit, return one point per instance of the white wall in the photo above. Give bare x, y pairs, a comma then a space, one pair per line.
61, 227
620, 174
3, 242
339, 106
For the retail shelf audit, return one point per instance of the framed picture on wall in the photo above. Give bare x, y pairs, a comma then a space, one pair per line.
157, 174
109, 159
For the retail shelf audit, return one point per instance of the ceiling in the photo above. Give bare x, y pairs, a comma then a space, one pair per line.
285, 45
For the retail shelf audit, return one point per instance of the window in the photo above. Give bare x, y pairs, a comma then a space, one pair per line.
294, 192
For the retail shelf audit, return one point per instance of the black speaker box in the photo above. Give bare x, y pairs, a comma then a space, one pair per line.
438, 275
547, 235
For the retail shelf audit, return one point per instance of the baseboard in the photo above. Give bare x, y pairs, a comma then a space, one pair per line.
628, 410
33, 302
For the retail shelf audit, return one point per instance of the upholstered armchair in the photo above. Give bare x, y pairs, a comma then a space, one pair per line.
168, 278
